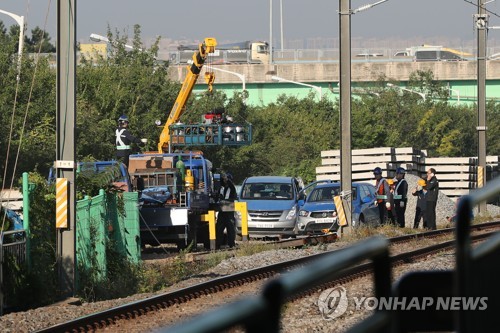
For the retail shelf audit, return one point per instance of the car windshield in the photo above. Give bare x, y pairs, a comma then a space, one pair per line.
326, 193
268, 191
112, 170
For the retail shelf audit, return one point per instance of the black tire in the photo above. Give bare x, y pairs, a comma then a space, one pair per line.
182, 245
361, 221
203, 236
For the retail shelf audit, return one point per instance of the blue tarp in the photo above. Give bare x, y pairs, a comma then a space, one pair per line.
16, 222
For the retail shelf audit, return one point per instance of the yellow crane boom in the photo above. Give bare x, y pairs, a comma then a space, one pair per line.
194, 70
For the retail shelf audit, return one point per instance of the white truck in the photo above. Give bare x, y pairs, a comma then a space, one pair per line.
433, 53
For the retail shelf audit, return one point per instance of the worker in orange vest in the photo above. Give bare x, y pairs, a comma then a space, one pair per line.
382, 193
389, 204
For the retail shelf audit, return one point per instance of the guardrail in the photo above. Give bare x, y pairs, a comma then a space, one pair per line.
326, 55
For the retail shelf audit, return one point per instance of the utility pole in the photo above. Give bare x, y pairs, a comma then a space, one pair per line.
281, 24
270, 32
482, 27
65, 159
345, 104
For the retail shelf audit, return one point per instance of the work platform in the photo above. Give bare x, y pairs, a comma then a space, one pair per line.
229, 134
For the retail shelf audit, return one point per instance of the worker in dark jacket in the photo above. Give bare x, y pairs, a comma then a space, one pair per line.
431, 198
420, 192
225, 219
401, 196
124, 139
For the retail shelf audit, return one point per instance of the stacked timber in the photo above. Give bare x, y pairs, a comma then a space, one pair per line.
365, 160
457, 175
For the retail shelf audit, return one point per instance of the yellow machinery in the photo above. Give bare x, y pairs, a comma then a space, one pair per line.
194, 70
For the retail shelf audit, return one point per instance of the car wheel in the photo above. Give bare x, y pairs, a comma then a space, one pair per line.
361, 220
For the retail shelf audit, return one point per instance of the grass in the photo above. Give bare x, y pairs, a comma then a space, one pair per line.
160, 275
387, 230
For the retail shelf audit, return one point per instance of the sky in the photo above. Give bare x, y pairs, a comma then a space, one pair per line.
233, 20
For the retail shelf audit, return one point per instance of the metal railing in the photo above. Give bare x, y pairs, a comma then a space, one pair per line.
12, 242
263, 313
476, 274
477, 269
473, 281
333, 55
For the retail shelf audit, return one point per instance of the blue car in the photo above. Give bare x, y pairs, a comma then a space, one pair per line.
318, 212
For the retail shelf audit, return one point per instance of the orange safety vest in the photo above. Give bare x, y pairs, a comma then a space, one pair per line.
381, 195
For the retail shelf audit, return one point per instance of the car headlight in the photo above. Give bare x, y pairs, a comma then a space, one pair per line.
237, 216
291, 214
304, 213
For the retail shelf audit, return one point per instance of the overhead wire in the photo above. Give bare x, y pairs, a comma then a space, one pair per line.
486, 10
18, 79
25, 113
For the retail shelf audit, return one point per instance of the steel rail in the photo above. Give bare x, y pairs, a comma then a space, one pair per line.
132, 310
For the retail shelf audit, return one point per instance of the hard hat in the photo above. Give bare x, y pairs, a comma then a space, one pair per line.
390, 181
123, 119
377, 171
400, 170
421, 182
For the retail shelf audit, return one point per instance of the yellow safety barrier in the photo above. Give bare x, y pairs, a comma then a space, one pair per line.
340, 210
61, 203
241, 207
480, 176
210, 218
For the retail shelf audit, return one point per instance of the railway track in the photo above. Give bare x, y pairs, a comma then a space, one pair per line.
110, 317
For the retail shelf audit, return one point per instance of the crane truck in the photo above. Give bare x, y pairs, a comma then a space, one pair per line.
177, 186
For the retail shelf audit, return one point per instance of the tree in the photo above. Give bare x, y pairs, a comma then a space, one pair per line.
493, 132
9, 41
39, 42
127, 82
288, 135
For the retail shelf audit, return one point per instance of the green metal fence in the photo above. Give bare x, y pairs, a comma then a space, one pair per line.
124, 229
107, 220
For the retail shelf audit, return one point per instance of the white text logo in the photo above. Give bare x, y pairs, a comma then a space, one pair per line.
333, 302
421, 303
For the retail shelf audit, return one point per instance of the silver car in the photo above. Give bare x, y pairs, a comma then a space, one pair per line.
272, 205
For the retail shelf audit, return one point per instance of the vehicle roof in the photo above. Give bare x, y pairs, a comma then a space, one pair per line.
87, 163
268, 179
337, 184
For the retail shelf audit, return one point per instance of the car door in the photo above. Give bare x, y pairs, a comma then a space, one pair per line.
370, 211
304, 192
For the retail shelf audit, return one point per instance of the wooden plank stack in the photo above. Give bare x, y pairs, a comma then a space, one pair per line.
457, 175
